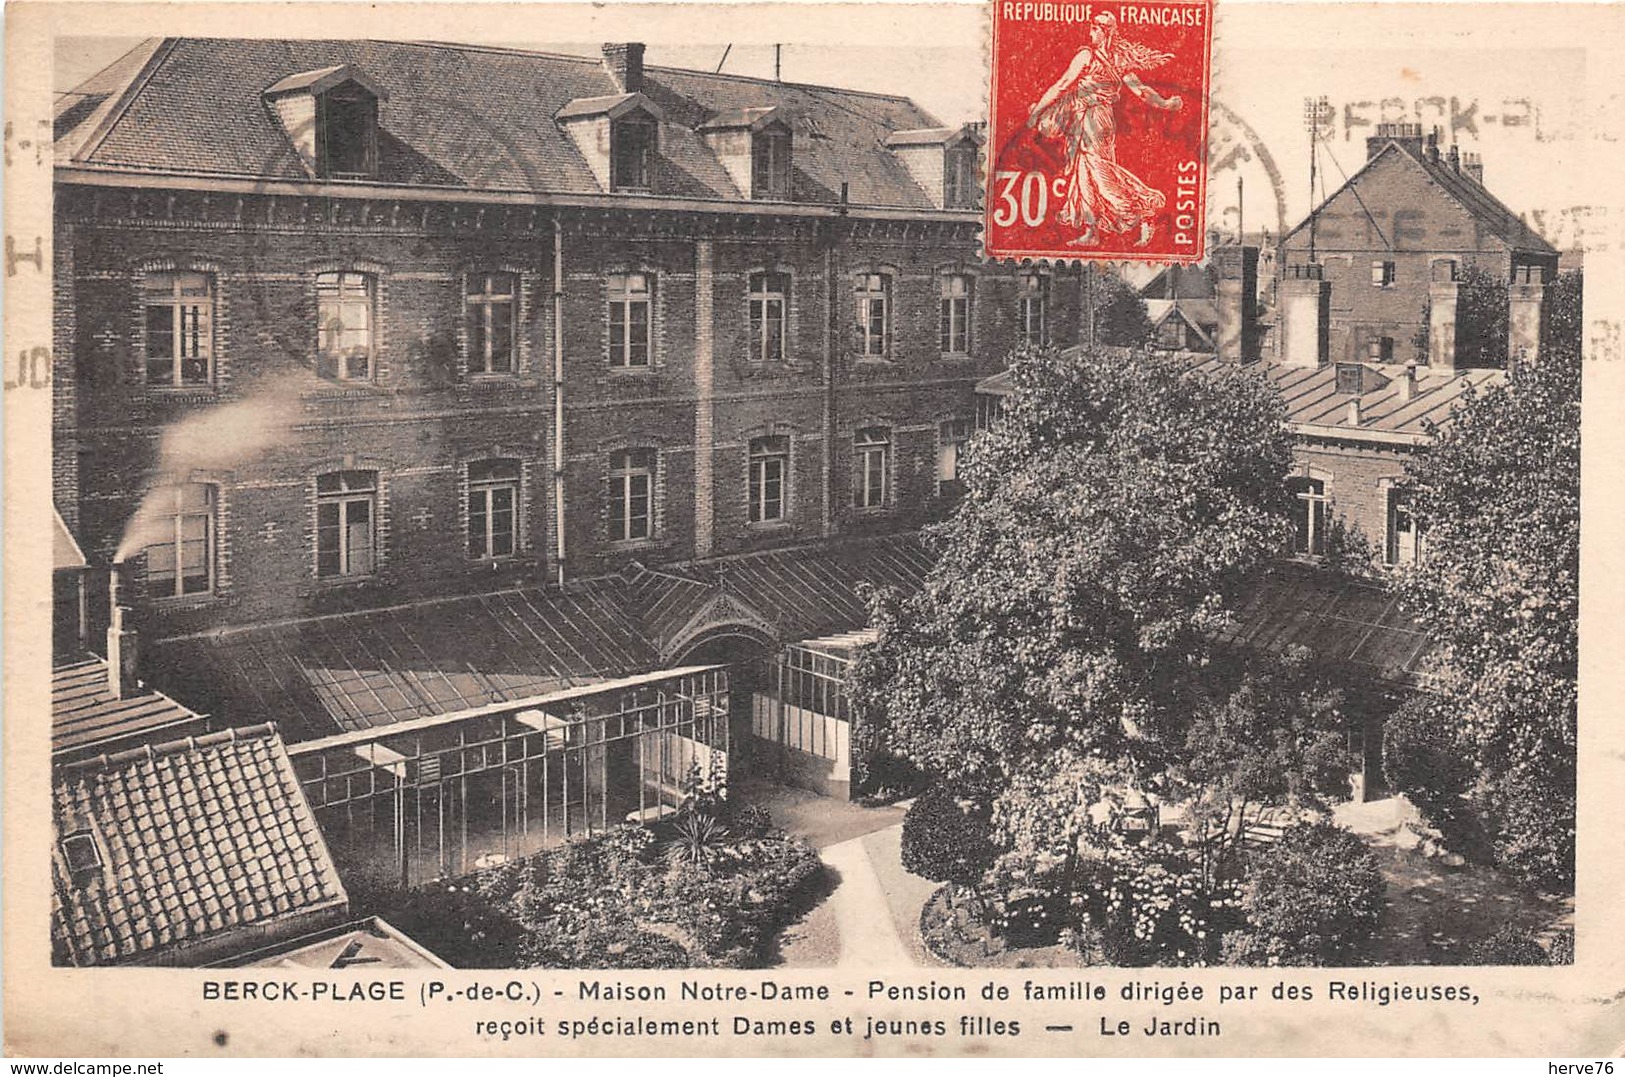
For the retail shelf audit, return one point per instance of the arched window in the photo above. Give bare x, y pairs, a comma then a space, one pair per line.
493, 508
180, 524
346, 331
769, 478
769, 316
346, 523
630, 308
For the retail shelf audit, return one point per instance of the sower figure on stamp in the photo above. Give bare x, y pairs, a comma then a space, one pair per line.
1079, 109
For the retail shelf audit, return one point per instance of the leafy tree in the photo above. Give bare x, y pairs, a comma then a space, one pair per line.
1498, 499
1481, 318
1276, 740
1312, 898
1561, 321
1121, 317
1109, 520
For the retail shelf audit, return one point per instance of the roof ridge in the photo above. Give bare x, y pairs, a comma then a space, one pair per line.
186, 744
763, 80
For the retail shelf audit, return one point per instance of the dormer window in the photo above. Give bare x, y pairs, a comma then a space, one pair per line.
632, 146
347, 132
959, 186
331, 117
770, 164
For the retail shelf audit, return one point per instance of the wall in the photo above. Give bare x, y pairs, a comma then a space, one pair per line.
425, 416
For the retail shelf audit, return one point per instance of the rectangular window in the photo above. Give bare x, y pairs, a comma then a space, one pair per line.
769, 303
1034, 309
959, 178
951, 439
769, 474
871, 467
1308, 516
493, 500
770, 165
631, 494
1382, 274
956, 291
181, 560
346, 523
873, 331
345, 334
490, 312
1350, 376
180, 328
629, 320
632, 147
349, 131
1404, 536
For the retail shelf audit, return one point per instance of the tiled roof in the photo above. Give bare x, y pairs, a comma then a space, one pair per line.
476, 118
1489, 211
85, 717
327, 675
194, 842
1352, 623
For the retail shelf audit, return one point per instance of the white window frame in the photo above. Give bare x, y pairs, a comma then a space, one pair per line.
1312, 500
627, 467
956, 290
357, 486
629, 292
168, 511
1033, 307
480, 319
952, 437
487, 479
769, 466
872, 308
768, 288
1403, 546
190, 330
871, 467
334, 314
1384, 273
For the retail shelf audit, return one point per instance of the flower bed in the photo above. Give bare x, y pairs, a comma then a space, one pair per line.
702, 893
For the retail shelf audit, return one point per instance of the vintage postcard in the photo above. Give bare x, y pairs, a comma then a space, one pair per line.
813, 529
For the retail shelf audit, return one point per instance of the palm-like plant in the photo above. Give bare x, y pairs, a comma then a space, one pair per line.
699, 839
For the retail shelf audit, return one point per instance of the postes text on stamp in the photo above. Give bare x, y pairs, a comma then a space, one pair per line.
1098, 140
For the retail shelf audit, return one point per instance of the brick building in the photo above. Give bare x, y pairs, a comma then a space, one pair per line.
350, 323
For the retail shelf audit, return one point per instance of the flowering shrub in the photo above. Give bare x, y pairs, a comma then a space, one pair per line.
944, 840
1313, 898
1147, 904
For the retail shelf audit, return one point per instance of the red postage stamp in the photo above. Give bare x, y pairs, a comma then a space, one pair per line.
1098, 130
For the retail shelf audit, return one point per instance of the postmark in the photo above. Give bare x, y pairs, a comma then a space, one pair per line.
1098, 130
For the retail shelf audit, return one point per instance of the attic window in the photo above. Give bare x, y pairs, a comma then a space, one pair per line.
81, 852
959, 177
633, 141
1350, 377
770, 165
347, 123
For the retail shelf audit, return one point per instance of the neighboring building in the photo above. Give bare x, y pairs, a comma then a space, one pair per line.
1371, 274
1180, 301
367, 945
185, 852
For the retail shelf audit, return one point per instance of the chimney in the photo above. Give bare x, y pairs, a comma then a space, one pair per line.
1408, 135
1305, 316
123, 645
1236, 300
625, 62
1472, 166
1433, 145
1407, 383
1455, 159
1354, 412
1443, 297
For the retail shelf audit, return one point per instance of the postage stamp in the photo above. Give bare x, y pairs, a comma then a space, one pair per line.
1098, 119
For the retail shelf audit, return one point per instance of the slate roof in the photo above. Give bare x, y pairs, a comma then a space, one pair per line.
1489, 211
328, 675
196, 841
469, 117
85, 717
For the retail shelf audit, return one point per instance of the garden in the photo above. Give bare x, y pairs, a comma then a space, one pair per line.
710, 888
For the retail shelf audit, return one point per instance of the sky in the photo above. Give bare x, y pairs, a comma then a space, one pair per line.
1509, 82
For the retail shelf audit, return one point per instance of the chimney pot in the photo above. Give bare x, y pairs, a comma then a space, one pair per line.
625, 61
1407, 383
1354, 412
1455, 159
123, 645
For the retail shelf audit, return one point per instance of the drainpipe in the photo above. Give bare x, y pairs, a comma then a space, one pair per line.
831, 306
558, 392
